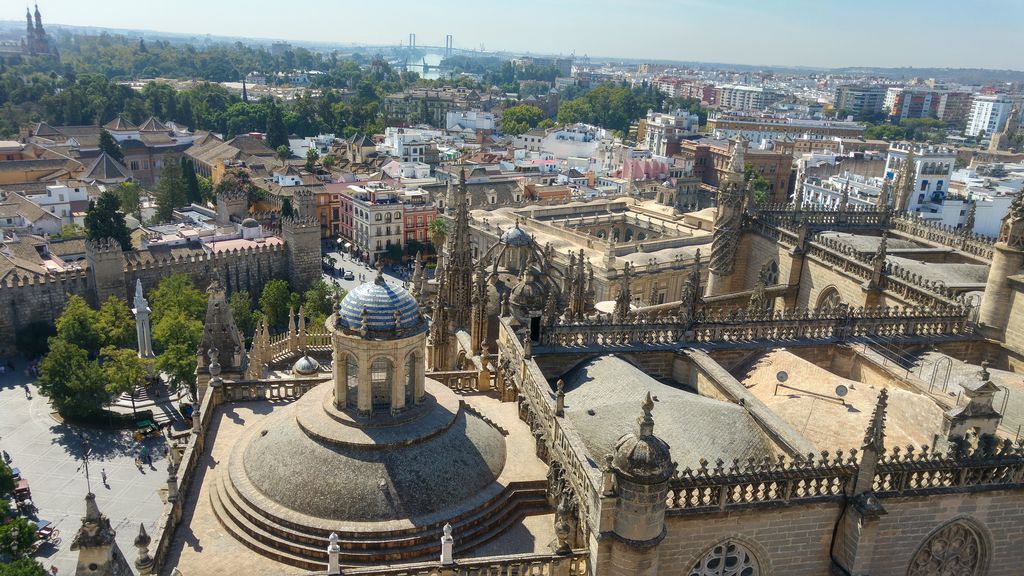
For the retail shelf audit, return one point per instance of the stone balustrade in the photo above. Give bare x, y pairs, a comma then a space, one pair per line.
574, 563
975, 244
458, 380
824, 477
285, 389
740, 325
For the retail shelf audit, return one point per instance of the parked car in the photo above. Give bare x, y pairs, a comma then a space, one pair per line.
349, 275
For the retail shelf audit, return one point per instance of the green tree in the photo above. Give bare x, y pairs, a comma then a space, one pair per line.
23, 567
71, 231
105, 220
275, 302
574, 111
277, 133
124, 371
110, 146
287, 211
16, 538
115, 324
177, 337
241, 310
72, 382
171, 190
317, 302
283, 152
6, 480
129, 194
759, 183
178, 293
519, 119
193, 191
206, 189
32, 339
437, 230
327, 162
77, 324
311, 158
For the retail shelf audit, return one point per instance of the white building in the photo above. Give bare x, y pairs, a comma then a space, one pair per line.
662, 128
933, 173
469, 120
63, 201
577, 140
377, 218
738, 97
988, 113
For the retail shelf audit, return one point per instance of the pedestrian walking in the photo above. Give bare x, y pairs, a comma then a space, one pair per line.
103, 475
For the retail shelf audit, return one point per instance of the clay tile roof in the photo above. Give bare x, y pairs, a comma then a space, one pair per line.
104, 167
119, 124
152, 125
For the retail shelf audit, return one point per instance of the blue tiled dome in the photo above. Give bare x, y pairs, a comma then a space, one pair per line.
516, 237
380, 300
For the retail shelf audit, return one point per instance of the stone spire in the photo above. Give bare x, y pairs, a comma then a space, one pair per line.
905, 181
623, 299
844, 197
968, 228
578, 287
478, 327
884, 195
143, 562
220, 332
98, 553
418, 276
456, 289
874, 436
142, 327
759, 299
878, 261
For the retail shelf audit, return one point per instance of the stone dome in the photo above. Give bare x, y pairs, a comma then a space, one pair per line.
644, 457
382, 304
516, 237
314, 463
306, 366
250, 223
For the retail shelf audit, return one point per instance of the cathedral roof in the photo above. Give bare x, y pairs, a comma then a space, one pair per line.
119, 124
601, 399
380, 303
516, 237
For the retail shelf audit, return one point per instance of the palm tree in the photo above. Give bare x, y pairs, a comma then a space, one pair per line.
437, 229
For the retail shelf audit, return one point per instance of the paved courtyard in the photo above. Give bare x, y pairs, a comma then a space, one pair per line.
49, 456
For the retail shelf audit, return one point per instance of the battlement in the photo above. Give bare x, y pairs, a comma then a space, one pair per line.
102, 246
52, 279
299, 222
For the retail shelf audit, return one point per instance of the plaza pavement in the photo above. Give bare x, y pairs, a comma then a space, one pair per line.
48, 453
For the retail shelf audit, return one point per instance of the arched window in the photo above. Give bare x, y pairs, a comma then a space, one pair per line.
956, 548
829, 300
773, 273
380, 384
351, 381
729, 558
410, 379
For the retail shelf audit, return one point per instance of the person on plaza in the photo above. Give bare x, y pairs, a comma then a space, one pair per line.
103, 475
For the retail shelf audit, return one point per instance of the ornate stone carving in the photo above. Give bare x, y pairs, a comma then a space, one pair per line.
954, 549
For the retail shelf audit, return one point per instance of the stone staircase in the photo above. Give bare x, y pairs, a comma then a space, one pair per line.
305, 547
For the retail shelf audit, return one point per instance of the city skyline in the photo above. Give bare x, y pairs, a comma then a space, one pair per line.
797, 33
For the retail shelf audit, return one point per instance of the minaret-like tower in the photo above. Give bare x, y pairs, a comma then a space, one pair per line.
623, 298
479, 324
142, 328
98, 553
728, 217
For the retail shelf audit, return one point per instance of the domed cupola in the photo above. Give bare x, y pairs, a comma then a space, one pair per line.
516, 237
529, 294
642, 456
306, 366
380, 311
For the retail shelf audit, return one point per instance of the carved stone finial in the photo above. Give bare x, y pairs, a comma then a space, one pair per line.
646, 421
144, 562
379, 279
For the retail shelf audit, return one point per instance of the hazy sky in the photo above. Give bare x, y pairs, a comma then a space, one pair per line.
953, 33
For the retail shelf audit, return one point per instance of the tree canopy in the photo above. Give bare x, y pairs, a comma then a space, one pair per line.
171, 190
105, 220
73, 383
110, 146
519, 119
